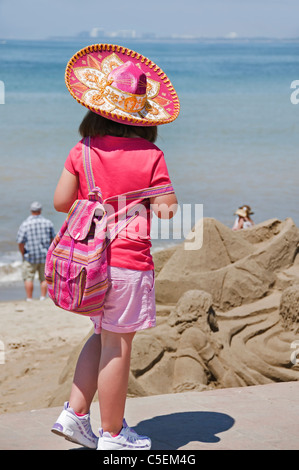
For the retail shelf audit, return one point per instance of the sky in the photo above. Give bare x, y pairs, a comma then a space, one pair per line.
41, 19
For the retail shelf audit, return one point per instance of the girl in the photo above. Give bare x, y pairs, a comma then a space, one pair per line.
135, 96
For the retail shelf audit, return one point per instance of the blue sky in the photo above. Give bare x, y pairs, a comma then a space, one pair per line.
38, 19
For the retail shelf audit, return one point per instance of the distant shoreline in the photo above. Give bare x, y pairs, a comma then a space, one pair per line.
171, 39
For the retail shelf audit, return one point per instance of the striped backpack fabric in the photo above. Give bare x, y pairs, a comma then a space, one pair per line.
76, 263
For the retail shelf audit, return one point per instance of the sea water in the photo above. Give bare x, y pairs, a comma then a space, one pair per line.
235, 141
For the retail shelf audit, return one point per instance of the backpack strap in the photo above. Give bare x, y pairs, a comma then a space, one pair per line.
94, 192
143, 193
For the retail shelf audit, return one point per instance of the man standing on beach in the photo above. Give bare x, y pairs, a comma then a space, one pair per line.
34, 237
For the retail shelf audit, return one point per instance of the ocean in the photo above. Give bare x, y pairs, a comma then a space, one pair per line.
235, 141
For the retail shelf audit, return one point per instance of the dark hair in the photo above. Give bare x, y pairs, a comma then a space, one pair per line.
94, 124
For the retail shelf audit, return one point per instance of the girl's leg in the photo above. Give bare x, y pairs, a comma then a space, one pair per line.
113, 378
86, 374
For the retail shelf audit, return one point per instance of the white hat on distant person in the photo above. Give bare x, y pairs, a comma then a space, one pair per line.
36, 206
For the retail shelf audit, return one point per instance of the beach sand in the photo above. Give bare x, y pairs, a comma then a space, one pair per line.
37, 339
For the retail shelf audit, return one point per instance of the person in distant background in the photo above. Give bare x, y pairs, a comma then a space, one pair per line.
243, 219
34, 238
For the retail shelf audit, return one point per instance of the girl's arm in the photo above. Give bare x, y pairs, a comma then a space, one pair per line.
239, 225
66, 191
164, 207
236, 223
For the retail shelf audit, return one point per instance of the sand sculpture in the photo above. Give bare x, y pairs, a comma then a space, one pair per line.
228, 314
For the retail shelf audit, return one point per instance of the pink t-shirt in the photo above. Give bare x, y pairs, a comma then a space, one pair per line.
121, 165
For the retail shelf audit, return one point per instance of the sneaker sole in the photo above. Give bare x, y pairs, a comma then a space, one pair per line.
101, 446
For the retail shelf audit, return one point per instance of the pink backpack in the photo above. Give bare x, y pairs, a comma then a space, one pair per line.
76, 263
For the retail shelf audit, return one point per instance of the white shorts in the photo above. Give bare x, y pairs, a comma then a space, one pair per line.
129, 303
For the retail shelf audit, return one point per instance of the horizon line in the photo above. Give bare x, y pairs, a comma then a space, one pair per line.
153, 38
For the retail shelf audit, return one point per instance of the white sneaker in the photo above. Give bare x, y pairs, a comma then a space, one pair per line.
127, 439
75, 428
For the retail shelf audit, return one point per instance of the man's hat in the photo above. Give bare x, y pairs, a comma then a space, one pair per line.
36, 206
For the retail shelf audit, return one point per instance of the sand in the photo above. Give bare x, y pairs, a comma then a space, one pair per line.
37, 339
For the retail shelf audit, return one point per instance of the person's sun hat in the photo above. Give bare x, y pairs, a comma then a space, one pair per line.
241, 213
121, 85
36, 206
244, 211
247, 209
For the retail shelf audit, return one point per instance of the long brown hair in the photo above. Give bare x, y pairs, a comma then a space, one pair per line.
94, 124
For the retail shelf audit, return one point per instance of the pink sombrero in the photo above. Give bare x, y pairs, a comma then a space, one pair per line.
121, 85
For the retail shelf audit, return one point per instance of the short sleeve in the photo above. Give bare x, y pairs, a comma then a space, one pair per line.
72, 162
160, 175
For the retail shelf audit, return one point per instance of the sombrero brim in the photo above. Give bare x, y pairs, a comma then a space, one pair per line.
84, 78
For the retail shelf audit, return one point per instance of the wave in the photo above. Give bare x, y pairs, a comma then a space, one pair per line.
10, 267
10, 272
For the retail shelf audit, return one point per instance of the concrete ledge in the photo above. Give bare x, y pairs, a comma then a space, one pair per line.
262, 417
